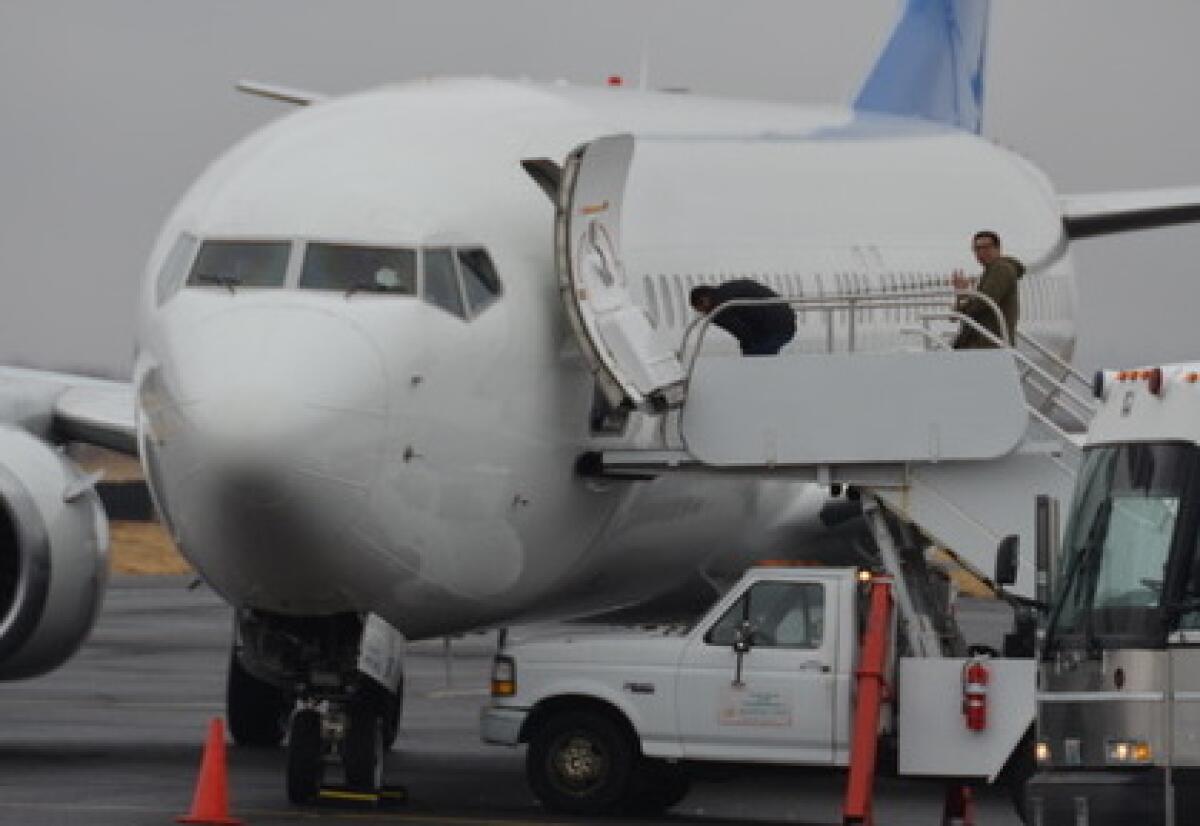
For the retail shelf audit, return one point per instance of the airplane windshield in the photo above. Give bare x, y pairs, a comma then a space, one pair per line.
370, 269
240, 264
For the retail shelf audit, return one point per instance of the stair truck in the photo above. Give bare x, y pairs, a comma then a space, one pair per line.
1119, 671
795, 666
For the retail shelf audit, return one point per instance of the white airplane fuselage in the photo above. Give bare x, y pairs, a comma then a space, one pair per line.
317, 451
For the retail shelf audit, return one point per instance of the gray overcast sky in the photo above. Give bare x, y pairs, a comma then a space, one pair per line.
108, 109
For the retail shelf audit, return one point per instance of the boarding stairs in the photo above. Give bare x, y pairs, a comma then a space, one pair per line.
942, 445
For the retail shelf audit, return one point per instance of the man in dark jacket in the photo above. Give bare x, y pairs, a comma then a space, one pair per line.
761, 331
999, 283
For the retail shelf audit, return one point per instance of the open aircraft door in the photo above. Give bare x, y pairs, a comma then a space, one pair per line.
629, 361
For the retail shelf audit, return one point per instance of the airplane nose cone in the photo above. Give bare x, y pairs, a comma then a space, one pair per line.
282, 418
284, 385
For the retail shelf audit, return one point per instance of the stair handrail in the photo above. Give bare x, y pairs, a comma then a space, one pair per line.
829, 304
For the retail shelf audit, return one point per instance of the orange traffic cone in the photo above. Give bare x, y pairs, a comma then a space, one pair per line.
211, 803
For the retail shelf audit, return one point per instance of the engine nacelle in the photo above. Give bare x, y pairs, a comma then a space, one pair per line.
53, 556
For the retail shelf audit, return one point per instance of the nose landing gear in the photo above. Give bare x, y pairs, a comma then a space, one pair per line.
354, 731
337, 674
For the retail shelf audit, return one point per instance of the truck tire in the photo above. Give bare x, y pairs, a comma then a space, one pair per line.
657, 786
581, 763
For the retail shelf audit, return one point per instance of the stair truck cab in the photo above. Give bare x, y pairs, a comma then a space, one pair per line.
615, 719
1119, 671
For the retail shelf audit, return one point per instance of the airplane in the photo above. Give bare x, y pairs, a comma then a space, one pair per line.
360, 402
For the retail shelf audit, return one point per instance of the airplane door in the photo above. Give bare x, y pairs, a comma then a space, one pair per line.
616, 335
783, 708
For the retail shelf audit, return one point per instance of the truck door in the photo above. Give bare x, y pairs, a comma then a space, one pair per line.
783, 708
630, 364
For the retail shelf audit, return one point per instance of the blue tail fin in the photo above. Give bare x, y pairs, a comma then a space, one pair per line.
932, 67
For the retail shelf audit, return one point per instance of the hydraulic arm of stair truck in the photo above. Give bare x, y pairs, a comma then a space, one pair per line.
1119, 682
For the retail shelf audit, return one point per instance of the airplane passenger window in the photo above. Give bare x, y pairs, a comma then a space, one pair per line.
240, 264
668, 307
651, 300
441, 282
480, 281
174, 268
369, 269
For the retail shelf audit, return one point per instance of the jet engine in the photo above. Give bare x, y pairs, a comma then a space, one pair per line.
53, 555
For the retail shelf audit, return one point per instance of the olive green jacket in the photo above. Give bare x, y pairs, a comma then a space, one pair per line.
999, 283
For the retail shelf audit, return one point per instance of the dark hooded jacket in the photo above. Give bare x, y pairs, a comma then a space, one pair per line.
999, 283
752, 325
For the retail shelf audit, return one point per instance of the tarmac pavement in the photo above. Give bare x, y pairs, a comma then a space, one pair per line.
115, 737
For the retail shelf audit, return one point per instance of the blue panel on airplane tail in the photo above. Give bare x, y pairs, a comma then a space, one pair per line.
933, 65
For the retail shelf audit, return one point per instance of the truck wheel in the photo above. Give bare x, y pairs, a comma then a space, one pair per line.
257, 710
657, 786
581, 762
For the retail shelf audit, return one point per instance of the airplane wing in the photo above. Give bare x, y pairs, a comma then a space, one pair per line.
1104, 213
63, 407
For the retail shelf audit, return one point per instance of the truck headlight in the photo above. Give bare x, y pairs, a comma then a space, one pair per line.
1128, 752
504, 677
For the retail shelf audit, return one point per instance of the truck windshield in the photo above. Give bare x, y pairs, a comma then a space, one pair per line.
1117, 548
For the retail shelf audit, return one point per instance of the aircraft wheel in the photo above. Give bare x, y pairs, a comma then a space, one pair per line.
304, 757
391, 717
389, 706
581, 762
362, 750
257, 711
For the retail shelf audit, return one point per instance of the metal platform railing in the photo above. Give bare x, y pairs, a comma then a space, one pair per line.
1050, 400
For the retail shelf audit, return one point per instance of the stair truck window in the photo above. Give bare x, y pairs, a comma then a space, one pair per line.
1118, 546
369, 269
480, 281
175, 267
240, 264
781, 615
441, 288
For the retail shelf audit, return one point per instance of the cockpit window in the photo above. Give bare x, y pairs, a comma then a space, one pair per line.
175, 267
370, 269
240, 264
479, 278
441, 282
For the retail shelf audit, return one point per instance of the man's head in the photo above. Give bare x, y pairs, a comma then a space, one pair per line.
703, 299
986, 246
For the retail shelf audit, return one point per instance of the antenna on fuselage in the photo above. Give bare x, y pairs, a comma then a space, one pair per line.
287, 94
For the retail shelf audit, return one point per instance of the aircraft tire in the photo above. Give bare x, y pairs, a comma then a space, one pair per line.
257, 711
304, 759
389, 706
581, 762
362, 750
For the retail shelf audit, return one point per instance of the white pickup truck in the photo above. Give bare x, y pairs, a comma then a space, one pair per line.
767, 676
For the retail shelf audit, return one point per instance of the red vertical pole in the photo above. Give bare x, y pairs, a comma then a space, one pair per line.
864, 741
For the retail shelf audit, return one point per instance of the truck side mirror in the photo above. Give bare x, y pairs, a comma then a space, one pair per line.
1008, 557
743, 637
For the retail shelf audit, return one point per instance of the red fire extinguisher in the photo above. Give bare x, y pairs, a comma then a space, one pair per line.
975, 676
